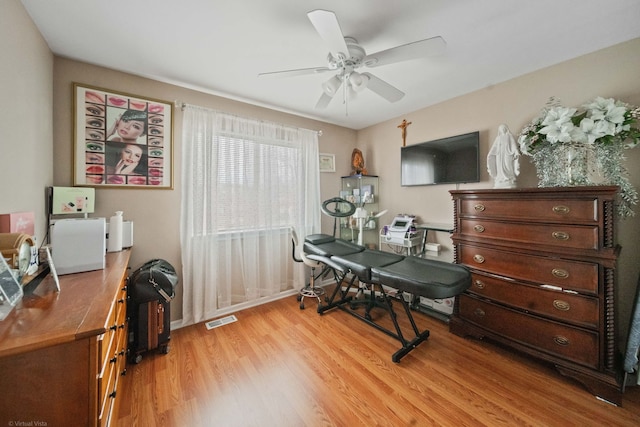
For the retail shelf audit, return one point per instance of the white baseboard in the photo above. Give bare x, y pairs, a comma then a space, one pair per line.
177, 324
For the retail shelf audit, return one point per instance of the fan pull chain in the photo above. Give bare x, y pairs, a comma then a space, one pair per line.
345, 94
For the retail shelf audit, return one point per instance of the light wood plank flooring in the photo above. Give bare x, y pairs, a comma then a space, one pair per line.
282, 366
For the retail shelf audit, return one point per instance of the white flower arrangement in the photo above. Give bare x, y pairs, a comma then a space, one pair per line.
602, 121
569, 145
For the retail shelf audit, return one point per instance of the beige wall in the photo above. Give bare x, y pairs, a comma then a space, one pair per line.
611, 72
26, 145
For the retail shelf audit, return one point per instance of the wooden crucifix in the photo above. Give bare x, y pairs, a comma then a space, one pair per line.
403, 126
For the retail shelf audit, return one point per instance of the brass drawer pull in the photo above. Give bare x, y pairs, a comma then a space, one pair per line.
478, 228
561, 305
479, 284
478, 258
560, 273
479, 207
561, 209
560, 340
560, 235
479, 312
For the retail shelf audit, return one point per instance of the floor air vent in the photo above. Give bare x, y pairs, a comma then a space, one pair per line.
220, 322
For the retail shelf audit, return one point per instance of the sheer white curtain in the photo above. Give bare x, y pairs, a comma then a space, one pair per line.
244, 183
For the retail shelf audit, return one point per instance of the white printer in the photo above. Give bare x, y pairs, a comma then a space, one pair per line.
78, 244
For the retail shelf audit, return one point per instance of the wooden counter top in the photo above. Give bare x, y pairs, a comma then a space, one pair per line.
45, 317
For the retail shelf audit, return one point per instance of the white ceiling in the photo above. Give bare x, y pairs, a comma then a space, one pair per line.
220, 46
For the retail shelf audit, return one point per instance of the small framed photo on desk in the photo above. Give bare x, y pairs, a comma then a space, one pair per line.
52, 268
10, 290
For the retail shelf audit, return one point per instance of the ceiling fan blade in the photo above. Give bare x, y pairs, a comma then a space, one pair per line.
327, 25
383, 88
298, 72
405, 52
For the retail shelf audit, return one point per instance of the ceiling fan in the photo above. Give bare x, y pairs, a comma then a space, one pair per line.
346, 56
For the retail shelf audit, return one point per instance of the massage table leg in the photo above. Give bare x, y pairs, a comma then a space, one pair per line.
416, 276
347, 304
407, 346
344, 294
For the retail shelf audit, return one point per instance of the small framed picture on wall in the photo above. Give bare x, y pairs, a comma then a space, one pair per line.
327, 162
121, 140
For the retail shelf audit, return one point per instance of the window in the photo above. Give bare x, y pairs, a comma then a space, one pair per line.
244, 183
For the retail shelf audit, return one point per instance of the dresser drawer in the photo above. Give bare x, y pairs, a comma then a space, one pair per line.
121, 303
560, 235
566, 274
534, 210
576, 309
106, 384
122, 352
106, 341
559, 340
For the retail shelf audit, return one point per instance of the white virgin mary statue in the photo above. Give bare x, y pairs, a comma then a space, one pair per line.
503, 161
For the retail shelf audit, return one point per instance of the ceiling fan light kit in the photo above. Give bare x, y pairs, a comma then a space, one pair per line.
346, 56
358, 81
332, 85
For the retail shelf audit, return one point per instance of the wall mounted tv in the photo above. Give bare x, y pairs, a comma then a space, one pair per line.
452, 160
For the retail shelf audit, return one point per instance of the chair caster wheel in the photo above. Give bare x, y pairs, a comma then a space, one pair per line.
301, 306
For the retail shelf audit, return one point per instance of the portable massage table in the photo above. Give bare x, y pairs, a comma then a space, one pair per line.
376, 270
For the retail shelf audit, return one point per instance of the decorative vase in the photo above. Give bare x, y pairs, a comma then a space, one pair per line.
605, 127
575, 164
567, 165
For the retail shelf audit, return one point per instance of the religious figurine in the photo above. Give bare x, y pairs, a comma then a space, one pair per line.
503, 161
357, 162
403, 126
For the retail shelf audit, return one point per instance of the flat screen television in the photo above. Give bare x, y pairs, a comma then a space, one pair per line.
452, 160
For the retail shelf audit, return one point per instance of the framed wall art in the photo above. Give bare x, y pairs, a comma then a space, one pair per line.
121, 140
327, 162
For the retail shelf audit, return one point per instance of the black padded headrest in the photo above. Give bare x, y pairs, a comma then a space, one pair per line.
317, 239
331, 247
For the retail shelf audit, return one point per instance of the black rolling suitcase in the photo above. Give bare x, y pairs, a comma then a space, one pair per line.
151, 288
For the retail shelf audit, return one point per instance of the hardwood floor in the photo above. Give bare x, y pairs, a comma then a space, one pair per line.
282, 366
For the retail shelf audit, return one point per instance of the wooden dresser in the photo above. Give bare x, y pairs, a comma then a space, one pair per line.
542, 262
62, 354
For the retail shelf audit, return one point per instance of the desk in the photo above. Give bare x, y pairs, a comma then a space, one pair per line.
62, 354
435, 226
